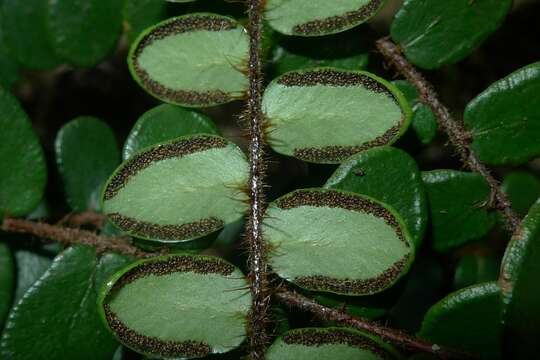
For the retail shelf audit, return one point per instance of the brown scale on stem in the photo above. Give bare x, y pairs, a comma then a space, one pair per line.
457, 135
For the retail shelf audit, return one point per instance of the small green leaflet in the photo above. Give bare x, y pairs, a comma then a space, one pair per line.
178, 190
336, 241
469, 319
332, 343
318, 17
84, 32
474, 269
181, 306
211, 50
504, 120
459, 207
402, 187
86, 155
325, 115
434, 33
57, 318
522, 189
166, 122
23, 173
520, 271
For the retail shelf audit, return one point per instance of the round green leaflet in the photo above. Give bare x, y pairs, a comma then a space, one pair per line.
469, 319
337, 241
166, 122
318, 17
23, 173
210, 50
178, 190
325, 115
84, 32
333, 343
180, 306
504, 120
434, 33
86, 155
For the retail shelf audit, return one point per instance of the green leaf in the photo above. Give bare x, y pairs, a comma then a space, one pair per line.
23, 173
473, 270
26, 33
333, 343
522, 189
318, 17
177, 306
211, 50
178, 190
86, 155
468, 319
458, 202
504, 120
520, 271
336, 241
348, 50
166, 122
424, 122
402, 187
9, 69
7, 277
31, 265
140, 14
299, 105
58, 317
84, 32
434, 33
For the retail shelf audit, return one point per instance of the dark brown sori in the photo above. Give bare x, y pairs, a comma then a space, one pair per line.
333, 154
166, 232
339, 199
336, 23
153, 346
349, 286
177, 26
318, 337
169, 150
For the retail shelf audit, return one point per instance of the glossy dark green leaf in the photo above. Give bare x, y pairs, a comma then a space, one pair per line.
84, 32
7, 277
177, 306
9, 69
337, 241
402, 187
348, 50
58, 318
141, 14
23, 172
472, 270
522, 189
210, 49
434, 33
26, 33
203, 173
31, 265
520, 272
166, 122
424, 122
318, 17
333, 343
504, 120
298, 107
86, 155
468, 319
458, 202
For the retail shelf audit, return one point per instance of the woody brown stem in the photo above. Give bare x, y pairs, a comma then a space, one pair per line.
456, 133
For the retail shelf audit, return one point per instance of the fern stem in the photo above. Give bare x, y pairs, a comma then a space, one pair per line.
456, 133
72, 236
398, 338
257, 262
